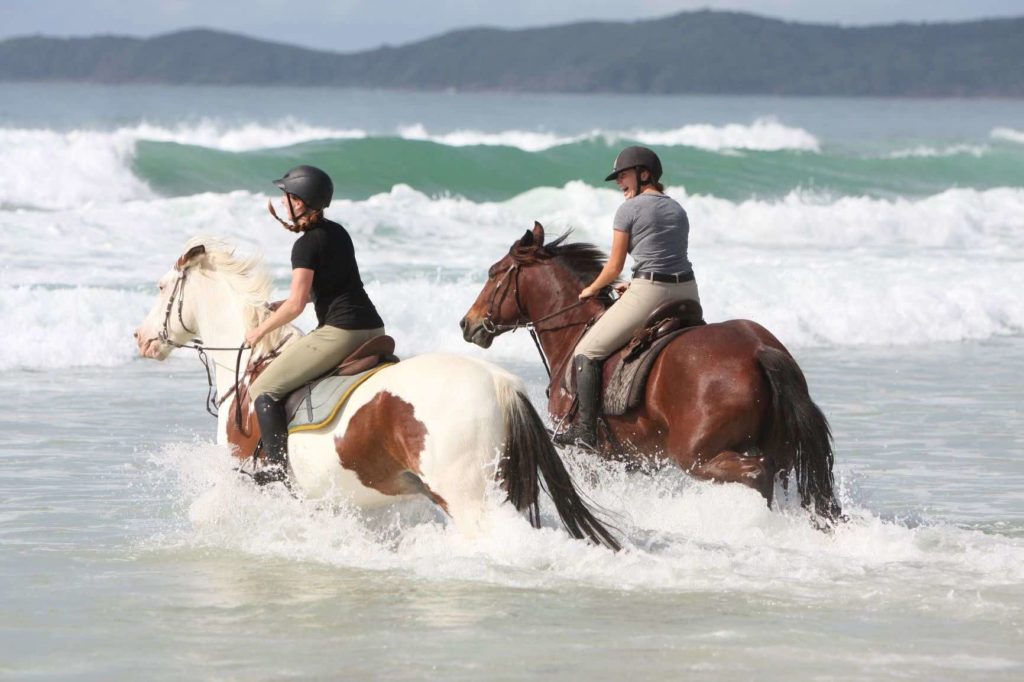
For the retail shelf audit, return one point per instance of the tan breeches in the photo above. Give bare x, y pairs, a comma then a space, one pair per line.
629, 313
311, 356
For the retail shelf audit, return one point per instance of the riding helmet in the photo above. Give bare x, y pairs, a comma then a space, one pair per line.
636, 157
310, 184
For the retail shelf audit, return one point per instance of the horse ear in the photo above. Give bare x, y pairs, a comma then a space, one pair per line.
527, 239
538, 233
189, 256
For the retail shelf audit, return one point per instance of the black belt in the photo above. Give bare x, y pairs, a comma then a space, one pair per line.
663, 278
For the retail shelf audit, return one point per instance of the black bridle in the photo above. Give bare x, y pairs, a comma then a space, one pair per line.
489, 325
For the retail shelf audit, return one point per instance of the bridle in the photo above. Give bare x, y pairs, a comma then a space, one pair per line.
212, 400
494, 304
178, 292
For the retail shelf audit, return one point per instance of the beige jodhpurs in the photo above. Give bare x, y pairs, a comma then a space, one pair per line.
314, 354
628, 314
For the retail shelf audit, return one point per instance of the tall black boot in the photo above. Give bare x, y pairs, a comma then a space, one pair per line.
274, 432
588, 393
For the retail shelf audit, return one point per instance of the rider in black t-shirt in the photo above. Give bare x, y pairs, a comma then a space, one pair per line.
324, 270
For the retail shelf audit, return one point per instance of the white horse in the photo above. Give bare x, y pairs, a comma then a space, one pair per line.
439, 425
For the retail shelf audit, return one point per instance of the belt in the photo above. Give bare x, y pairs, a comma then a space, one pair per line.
663, 278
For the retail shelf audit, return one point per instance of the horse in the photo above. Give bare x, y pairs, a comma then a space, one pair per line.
725, 401
438, 425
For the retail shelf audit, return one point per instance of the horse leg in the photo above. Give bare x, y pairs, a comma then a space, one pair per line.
729, 466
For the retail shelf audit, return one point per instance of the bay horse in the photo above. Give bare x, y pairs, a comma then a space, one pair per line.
443, 426
725, 401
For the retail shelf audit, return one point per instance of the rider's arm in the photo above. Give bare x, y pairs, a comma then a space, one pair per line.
290, 308
612, 269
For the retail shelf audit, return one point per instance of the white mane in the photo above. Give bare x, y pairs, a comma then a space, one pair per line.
247, 277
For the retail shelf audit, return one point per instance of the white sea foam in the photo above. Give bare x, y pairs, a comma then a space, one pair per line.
1008, 134
526, 140
764, 134
68, 327
244, 137
679, 535
924, 151
78, 167
817, 272
96, 165
89, 165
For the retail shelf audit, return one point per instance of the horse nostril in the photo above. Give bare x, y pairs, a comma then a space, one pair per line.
462, 324
135, 334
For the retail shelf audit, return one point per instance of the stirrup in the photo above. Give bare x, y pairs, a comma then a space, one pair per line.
275, 473
572, 437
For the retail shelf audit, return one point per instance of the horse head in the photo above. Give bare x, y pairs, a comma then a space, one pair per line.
532, 282
498, 307
172, 319
208, 293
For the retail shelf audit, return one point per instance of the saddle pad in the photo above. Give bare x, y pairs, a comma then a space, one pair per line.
320, 401
625, 389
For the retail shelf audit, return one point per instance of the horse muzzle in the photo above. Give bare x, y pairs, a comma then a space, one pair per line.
479, 332
151, 347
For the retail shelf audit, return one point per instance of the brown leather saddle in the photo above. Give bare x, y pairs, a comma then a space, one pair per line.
625, 372
376, 351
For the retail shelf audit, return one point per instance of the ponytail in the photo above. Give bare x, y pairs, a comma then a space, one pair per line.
304, 222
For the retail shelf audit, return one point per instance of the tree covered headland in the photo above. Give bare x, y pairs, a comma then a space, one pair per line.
694, 52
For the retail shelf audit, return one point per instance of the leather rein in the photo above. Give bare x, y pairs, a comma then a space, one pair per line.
213, 402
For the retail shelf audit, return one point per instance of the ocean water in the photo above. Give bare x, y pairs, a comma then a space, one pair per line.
881, 240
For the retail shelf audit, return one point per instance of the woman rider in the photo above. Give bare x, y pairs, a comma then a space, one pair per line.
324, 270
654, 229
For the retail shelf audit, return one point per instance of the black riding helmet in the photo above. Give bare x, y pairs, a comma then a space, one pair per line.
310, 184
636, 157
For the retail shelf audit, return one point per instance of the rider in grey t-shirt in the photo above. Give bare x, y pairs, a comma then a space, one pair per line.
658, 231
655, 230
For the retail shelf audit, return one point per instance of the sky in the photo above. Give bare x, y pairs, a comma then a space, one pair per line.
351, 25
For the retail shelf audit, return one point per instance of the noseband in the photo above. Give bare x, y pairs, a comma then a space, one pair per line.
491, 327
212, 401
178, 292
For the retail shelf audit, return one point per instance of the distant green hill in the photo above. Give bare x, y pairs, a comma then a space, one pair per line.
694, 52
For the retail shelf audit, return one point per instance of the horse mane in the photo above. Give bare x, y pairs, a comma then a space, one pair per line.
248, 278
585, 261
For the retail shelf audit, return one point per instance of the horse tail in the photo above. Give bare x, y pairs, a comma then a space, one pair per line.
529, 451
798, 434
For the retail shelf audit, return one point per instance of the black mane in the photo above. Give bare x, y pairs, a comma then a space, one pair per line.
585, 261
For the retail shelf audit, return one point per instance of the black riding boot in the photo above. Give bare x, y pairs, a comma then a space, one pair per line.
583, 430
274, 432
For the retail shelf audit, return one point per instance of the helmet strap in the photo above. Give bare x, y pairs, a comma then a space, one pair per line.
291, 210
640, 182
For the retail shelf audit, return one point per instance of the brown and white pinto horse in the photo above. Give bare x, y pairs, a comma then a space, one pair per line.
725, 401
442, 426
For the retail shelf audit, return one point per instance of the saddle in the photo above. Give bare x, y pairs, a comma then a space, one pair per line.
315, 404
624, 373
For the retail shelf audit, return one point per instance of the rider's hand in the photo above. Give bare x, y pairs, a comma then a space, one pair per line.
588, 292
253, 336
621, 287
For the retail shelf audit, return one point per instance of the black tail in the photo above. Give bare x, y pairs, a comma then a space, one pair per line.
799, 436
528, 451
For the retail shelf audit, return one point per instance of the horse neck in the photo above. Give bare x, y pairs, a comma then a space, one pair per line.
221, 318
559, 332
